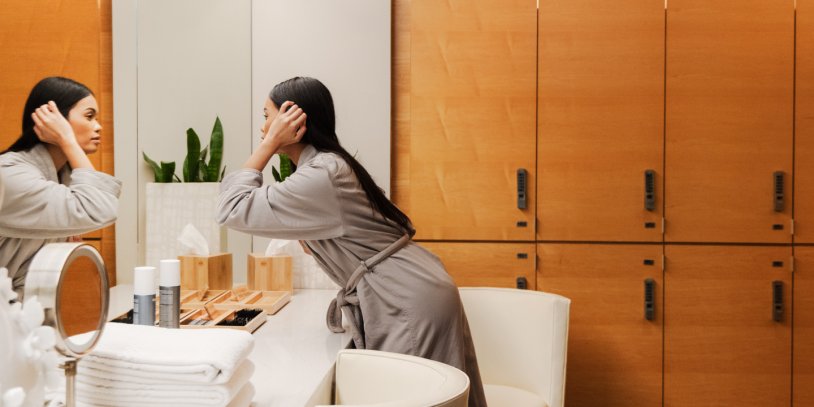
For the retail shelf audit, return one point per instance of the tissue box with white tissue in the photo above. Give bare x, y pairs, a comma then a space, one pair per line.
272, 271
201, 270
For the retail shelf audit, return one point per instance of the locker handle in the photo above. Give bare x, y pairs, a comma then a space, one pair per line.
777, 301
522, 190
522, 283
650, 190
649, 299
779, 195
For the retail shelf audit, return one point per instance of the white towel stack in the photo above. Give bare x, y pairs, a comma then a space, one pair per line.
134, 365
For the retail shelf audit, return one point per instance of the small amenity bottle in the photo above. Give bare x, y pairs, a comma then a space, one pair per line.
144, 296
169, 289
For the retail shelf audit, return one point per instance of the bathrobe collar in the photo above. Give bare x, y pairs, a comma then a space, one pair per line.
307, 154
39, 156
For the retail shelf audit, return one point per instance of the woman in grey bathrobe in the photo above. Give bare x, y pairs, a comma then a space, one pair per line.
52, 191
397, 296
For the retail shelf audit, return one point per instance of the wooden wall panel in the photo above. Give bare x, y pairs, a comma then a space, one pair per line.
487, 264
721, 346
803, 309
614, 353
472, 118
730, 67
59, 38
804, 124
400, 183
601, 119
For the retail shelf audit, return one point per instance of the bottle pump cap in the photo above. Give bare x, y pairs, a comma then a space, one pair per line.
144, 280
170, 273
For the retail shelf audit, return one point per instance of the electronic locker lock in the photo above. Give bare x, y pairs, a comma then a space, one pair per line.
522, 188
779, 196
777, 301
649, 299
650, 190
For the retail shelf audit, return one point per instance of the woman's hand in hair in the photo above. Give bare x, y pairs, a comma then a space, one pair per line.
51, 127
287, 128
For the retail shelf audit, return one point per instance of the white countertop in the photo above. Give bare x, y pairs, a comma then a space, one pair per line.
293, 351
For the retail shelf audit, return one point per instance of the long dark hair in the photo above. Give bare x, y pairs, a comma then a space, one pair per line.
63, 91
316, 101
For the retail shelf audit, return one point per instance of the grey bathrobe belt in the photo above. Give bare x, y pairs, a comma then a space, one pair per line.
347, 299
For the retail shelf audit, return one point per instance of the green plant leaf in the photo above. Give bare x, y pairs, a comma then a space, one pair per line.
215, 152
157, 173
175, 177
222, 173
204, 170
285, 166
193, 154
275, 174
167, 171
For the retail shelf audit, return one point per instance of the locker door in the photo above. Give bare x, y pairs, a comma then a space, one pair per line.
804, 125
37, 40
487, 264
601, 120
721, 344
472, 118
614, 352
730, 75
803, 374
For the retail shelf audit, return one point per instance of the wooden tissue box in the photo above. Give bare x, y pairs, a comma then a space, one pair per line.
206, 272
270, 273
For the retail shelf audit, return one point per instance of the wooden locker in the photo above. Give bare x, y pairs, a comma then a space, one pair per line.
803, 308
729, 102
472, 124
601, 120
614, 352
804, 125
722, 346
39, 38
487, 264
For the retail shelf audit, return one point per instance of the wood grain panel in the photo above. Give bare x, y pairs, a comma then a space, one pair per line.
601, 119
400, 178
486, 264
804, 125
472, 117
44, 38
721, 346
729, 119
614, 353
105, 93
803, 308
72, 39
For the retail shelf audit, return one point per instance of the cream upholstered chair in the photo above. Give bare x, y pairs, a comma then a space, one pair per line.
520, 339
383, 379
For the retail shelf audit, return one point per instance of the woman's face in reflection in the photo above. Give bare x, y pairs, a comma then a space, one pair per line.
85, 124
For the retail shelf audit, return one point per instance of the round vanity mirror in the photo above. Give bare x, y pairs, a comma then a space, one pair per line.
70, 282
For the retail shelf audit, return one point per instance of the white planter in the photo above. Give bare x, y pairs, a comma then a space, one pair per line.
172, 206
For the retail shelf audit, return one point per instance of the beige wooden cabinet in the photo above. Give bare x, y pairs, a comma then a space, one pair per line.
722, 346
487, 264
729, 127
600, 125
614, 350
472, 119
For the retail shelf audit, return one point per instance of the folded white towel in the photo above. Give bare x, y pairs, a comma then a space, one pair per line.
178, 355
114, 391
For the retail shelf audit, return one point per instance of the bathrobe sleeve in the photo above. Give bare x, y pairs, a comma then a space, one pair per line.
305, 206
37, 208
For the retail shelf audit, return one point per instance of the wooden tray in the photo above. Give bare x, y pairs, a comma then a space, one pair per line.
200, 319
192, 300
268, 301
